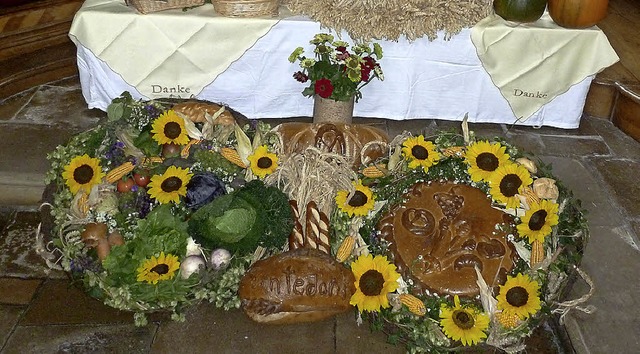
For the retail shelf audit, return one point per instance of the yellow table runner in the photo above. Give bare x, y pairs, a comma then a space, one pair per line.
531, 67
168, 52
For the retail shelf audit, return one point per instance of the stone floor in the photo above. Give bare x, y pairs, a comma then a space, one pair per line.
41, 312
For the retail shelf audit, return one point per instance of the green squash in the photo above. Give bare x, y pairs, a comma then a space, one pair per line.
522, 11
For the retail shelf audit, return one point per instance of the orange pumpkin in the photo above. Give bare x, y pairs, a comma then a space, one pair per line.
578, 13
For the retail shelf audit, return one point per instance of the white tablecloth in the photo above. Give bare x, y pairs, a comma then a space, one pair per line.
441, 79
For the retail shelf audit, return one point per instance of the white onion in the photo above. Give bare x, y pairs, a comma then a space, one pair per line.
220, 259
190, 265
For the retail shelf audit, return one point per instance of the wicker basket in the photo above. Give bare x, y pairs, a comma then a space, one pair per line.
246, 8
147, 6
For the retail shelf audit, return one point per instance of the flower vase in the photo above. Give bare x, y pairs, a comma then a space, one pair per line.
326, 110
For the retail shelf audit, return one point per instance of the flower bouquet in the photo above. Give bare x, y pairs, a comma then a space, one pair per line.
335, 72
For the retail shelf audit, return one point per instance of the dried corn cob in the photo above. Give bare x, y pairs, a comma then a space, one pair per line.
151, 160
530, 196
117, 173
375, 171
415, 305
508, 320
232, 156
453, 151
345, 249
537, 253
185, 150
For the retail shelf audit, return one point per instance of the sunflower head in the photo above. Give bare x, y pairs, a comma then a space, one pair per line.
169, 186
507, 181
262, 162
169, 128
360, 203
82, 172
419, 152
519, 296
154, 269
484, 158
537, 222
463, 323
375, 278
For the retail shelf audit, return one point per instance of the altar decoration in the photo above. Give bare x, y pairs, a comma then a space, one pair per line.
390, 19
440, 241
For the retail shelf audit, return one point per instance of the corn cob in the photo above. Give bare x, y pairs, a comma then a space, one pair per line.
508, 320
151, 160
454, 151
415, 305
117, 173
530, 196
232, 156
345, 249
375, 171
537, 253
185, 150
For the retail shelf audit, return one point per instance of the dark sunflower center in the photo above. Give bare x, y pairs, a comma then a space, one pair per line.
517, 296
510, 184
419, 152
359, 199
463, 319
537, 220
487, 161
172, 130
160, 269
371, 283
264, 162
171, 184
83, 174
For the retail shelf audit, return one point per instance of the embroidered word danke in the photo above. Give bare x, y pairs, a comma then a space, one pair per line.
537, 94
166, 89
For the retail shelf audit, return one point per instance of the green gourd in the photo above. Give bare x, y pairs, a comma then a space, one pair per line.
522, 11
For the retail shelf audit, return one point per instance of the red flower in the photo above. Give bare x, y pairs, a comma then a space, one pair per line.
324, 88
364, 72
369, 63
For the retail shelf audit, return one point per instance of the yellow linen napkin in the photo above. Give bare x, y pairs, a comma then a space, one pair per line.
166, 53
533, 63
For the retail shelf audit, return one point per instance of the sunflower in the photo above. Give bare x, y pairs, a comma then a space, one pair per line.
519, 296
169, 186
262, 162
420, 152
83, 172
360, 203
538, 220
484, 158
375, 278
507, 181
463, 323
156, 269
169, 128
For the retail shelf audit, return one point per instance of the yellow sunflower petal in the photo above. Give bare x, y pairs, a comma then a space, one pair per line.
373, 285
538, 221
484, 158
359, 204
507, 181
